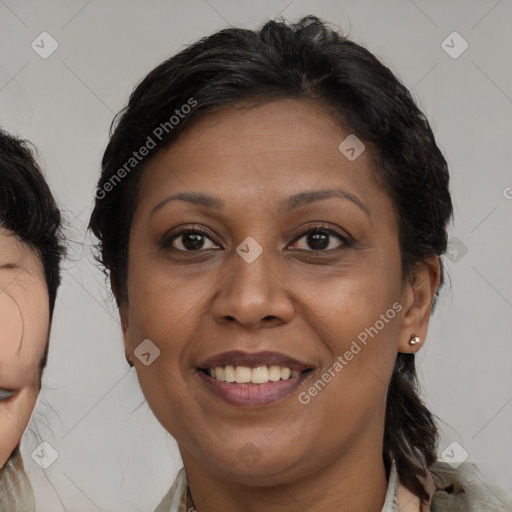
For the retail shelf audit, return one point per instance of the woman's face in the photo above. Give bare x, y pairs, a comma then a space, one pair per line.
24, 321
276, 269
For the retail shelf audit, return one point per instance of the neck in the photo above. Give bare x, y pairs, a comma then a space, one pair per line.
352, 483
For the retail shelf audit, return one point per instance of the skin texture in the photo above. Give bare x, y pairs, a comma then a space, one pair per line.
323, 456
24, 320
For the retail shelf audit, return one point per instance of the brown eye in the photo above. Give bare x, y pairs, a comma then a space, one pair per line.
319, 239
189, 240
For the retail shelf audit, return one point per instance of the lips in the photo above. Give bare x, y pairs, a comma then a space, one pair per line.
260, 391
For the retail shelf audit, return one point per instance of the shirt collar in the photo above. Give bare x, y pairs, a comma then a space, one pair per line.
391, 500
176, 498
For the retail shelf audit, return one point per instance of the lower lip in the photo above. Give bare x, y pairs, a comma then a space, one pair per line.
253, 395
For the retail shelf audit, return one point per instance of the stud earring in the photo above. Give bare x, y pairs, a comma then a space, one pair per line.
129, 360
413, 340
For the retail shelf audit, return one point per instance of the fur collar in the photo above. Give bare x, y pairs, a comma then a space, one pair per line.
465, 490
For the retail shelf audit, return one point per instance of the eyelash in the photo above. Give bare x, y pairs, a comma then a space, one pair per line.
166, 242
346, 242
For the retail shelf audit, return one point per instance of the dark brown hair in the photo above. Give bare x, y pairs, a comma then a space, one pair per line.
28, 210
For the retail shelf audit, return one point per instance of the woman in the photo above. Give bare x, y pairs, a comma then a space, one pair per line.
272, 212
30, 254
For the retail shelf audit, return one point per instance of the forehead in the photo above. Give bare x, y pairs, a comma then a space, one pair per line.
261, 151
287, 129
14, 252
24, 311
21, 269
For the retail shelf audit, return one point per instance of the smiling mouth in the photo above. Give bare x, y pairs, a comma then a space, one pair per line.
256, 375
253, 379
252, 387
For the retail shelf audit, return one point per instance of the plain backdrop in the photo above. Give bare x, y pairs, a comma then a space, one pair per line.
112, 454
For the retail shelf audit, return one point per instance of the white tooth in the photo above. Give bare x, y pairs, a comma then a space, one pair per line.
294, 374
219, 373
211, 372
274, 373
229, 374
260, 375
242, 374
285, 373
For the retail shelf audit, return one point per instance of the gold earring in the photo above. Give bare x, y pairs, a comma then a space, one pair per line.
413, 340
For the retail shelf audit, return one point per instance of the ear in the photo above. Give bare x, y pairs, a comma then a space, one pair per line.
418, 297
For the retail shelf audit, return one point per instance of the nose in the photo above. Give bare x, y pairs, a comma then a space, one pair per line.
253, 295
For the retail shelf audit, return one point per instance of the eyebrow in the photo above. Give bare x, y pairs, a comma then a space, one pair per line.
8, 265
291, 203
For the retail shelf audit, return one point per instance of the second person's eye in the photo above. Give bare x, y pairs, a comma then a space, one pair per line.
5, 394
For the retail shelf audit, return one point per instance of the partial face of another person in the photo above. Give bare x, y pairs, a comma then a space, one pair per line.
329, 268
24, 328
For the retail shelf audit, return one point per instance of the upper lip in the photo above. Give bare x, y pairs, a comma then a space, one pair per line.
240, 358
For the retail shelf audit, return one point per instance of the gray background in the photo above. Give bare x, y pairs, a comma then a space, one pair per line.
113, 455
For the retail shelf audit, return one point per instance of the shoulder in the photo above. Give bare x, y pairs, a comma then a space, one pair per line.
465, 489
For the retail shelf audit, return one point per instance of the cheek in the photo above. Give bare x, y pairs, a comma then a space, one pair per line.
167, 321
163, 307
167, 310
25, 312
344, 306
12, 326
358, 319
36, 321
